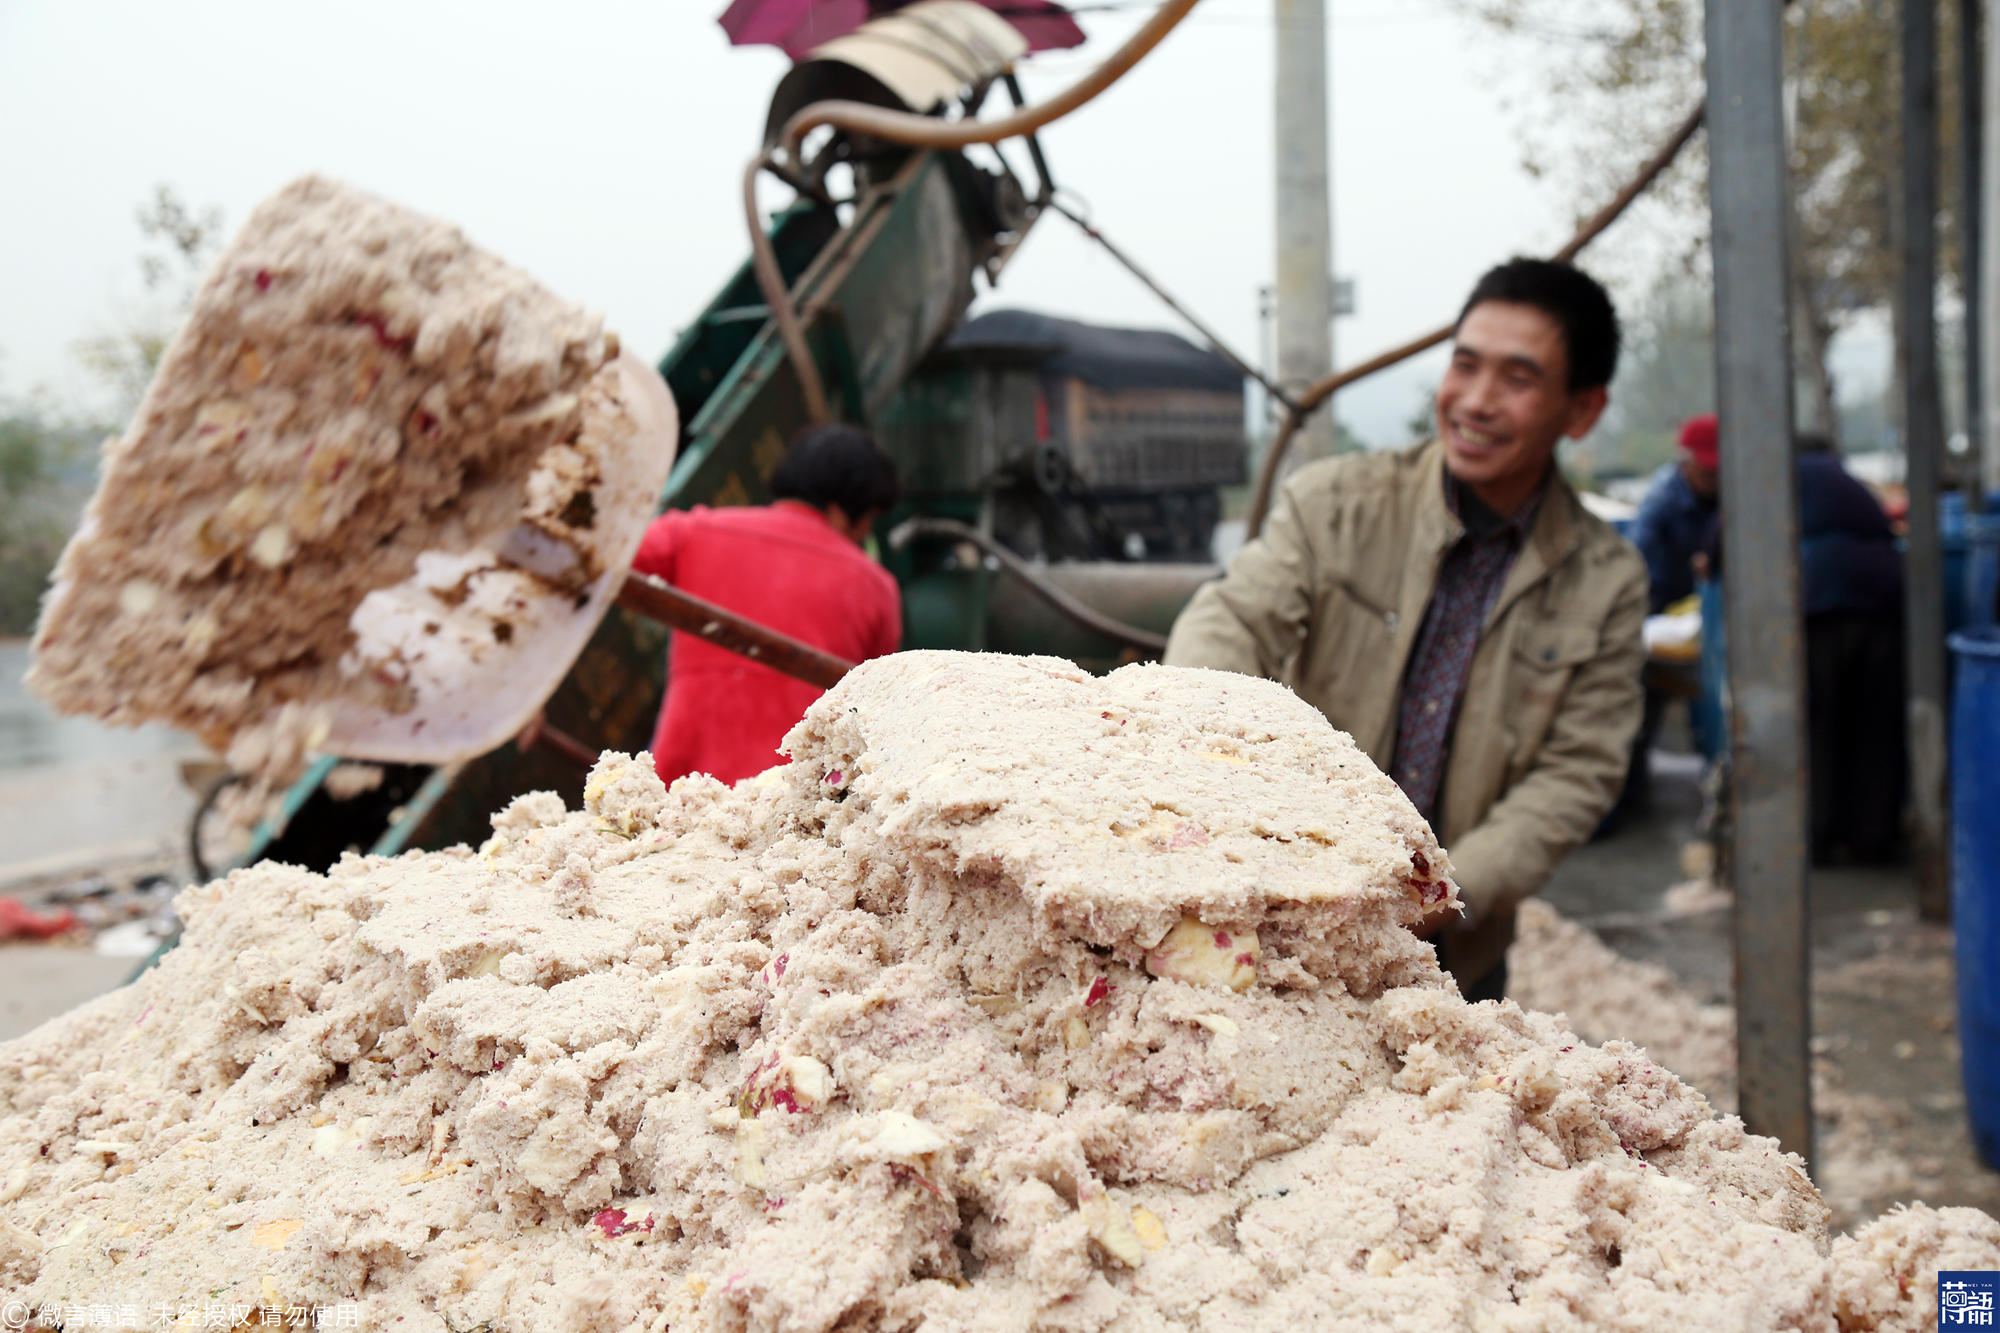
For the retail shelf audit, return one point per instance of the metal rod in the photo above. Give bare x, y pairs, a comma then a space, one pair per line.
661, 601
1971, 229
1649, 171
915, 131
771, 281
1749, 215
1034, 143
1087, 616
539, 734
1274, 457
1923, 448
272, 827
1214, 339
418, 808
1986, 445
657, 600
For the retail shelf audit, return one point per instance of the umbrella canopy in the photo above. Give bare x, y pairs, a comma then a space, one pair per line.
798, 26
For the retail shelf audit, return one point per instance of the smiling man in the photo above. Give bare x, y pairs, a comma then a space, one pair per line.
1456, 609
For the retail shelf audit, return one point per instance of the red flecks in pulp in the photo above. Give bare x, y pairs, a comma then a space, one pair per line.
380, 328
904, 1173
613, 1223
263, 279
1246, 960
835, 778
1222, 940
1100, 990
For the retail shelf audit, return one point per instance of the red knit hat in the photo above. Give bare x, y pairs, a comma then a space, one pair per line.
1698, 440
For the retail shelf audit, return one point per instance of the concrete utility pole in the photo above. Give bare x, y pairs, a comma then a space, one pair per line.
1750, 217
1305, 212
1923, 453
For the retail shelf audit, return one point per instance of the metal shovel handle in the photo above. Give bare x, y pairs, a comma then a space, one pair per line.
661, 601
658, 600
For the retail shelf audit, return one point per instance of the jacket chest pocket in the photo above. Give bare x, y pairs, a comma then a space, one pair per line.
1545, 656
1347, 671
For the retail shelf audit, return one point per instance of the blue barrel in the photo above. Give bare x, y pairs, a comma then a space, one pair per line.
1982, 568
1975, 875
1706, 719
1951, 536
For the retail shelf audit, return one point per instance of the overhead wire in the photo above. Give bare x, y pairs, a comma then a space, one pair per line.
1214, 339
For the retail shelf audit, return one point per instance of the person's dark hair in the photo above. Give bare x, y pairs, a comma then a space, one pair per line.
1814, 442
1573, 299
836, 465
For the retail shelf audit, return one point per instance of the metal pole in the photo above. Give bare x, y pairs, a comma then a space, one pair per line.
658, 600
1923, 447
1986, 444
1749, 217
1971, 238
1304, 209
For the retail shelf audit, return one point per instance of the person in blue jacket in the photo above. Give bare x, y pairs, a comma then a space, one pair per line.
1851, 586
1851, 598
1678, 513
1676, 520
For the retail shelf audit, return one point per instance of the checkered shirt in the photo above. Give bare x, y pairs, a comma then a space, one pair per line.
1468, 581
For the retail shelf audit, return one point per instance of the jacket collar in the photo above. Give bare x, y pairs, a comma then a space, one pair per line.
1551, 541
1554, 533
1437, 527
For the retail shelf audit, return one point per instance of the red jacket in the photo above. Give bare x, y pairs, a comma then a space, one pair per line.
783, 566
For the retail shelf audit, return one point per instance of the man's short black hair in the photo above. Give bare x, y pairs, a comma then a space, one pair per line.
1573, 299
836, 465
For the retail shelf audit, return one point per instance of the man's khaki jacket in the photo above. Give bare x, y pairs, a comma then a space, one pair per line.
1329, 600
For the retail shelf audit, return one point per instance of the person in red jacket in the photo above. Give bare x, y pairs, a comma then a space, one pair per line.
795, 565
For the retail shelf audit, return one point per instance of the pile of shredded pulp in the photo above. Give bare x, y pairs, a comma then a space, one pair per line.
1018, 999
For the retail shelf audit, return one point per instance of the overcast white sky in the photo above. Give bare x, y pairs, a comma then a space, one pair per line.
599, 144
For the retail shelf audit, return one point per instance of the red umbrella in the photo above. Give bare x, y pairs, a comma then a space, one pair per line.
799, 25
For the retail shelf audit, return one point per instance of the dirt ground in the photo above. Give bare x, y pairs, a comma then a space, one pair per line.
1889, 1108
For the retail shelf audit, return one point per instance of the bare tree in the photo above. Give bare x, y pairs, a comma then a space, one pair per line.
1606, 77
179, 243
